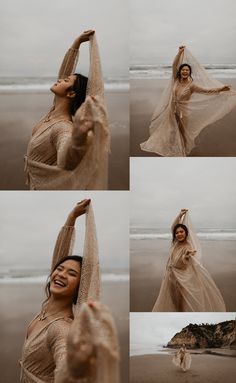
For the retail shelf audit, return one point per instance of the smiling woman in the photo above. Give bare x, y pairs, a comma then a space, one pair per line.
187, 285
68, 313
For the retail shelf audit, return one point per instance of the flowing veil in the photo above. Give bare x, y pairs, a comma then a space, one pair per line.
201, 110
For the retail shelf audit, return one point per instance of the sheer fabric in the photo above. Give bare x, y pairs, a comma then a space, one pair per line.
182, 359
189, 108
93, 332
187, 285
93, 325
45, 161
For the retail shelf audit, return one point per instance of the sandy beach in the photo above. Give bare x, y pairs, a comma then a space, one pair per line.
20, 302
204, 369
148, 260
216, 140
20, 111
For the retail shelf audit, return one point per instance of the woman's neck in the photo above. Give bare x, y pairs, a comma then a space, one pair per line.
60, 109
56, 306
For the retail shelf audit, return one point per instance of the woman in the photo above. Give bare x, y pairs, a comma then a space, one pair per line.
67, 153
60, 345
182, 359
191, 101
187, 285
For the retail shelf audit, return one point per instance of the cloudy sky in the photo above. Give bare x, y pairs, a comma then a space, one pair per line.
34, 35
31, 221
161, 187
158, 329
158, 27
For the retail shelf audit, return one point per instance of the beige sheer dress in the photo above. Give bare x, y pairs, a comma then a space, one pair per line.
182, 359
187, 285
53, 354
48, 162
184, 110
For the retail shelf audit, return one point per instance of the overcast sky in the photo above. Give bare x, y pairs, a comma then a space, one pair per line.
34, 35
158, 329
161, 187
30, 222
158, 27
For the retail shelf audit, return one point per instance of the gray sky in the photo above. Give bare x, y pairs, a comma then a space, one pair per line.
161, 187
158, 329
30, 222
159, 27
34, 35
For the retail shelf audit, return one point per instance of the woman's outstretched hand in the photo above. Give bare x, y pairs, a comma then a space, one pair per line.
183, 212
79, 209
85, 36
181, 48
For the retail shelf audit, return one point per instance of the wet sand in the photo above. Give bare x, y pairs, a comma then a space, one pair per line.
20, 302
20, 111
148, 260
216, 140
160, 369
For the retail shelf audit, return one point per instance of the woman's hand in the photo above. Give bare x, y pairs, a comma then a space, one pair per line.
85, 36
190, 253
183, 212
225, 88
79, 209
181, 48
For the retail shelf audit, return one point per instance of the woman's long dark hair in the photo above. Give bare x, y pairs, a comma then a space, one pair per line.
76, 258
176, 227
178, 75
79, 87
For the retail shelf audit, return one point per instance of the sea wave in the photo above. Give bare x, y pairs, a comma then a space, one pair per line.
41, 279
136, 350
42, 85
165, 71
221, 236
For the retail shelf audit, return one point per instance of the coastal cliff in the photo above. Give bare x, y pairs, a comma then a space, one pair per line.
206, 336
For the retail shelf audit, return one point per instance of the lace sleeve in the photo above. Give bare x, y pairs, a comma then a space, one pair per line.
198, 89
69, 63
176, 63
57, 342
67, 144
64, 244
175, 222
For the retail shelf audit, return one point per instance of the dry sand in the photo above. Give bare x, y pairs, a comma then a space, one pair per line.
216, 140
20, 302
148, 260
160, 369
20, 111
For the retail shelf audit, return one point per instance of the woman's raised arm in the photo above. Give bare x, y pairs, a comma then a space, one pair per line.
71, 57
65, 239
175, 64
179, 218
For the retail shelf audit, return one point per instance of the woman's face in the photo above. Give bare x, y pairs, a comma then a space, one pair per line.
62, 86
64, 281
180, 234
185, 72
